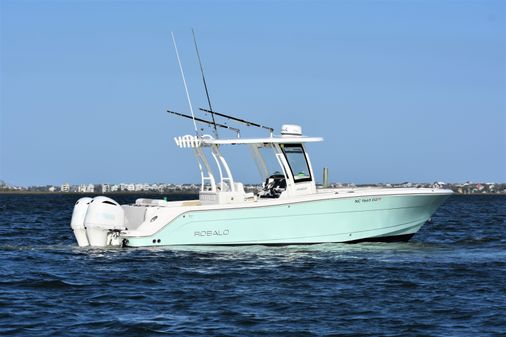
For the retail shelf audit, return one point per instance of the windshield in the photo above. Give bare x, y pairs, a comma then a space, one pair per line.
297, 160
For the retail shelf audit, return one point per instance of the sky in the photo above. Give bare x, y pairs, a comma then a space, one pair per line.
400, 90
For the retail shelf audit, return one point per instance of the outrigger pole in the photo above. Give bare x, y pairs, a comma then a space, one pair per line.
205, 84
210, 110
185, 86
206, 122
271, 130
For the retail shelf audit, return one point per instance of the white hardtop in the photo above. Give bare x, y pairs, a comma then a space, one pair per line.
189, 141
268, 140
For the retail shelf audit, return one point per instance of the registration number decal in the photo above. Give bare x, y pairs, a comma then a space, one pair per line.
365, 200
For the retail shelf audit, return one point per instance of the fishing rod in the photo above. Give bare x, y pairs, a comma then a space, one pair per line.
205, 121
271, 130
184, 82
205, 84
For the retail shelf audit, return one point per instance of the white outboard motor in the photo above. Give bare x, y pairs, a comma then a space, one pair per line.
77, 222
104, 219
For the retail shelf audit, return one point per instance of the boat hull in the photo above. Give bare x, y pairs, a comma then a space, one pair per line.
337, 219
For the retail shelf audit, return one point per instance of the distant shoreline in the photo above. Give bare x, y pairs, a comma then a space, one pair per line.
107, 193
160, 193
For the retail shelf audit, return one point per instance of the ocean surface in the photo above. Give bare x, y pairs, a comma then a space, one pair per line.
449, 280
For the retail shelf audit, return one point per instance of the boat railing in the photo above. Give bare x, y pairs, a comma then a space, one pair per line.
190, 141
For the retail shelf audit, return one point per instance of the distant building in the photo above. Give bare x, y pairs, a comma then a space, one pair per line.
83, 188
65, 187
52, 189
106, 188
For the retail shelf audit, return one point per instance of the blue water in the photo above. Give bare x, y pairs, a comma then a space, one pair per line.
449, 280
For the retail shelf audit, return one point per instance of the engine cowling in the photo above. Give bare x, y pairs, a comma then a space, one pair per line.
77, 222
103, 217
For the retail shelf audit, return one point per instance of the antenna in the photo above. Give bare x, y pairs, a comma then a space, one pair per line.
185, 86
271, 130
205, 84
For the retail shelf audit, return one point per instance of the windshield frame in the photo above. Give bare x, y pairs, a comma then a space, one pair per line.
297, 145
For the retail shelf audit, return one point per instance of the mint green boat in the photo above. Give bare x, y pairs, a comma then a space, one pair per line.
289, 209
